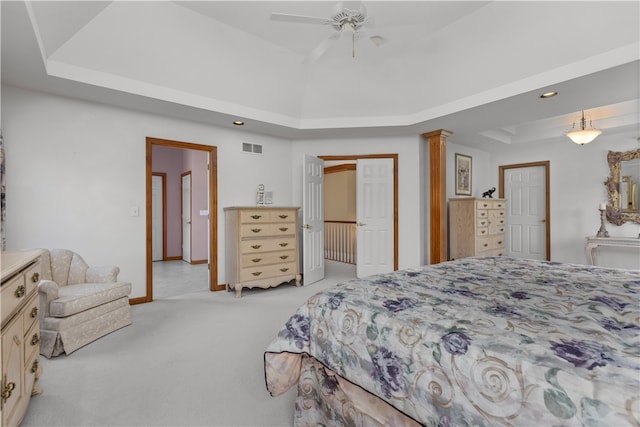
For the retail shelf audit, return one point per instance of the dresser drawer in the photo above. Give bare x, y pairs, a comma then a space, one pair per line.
482, 222
491, 242
267, 245
284, 216
32, 341
258, 230
259, 259
254, 216
32, 277
258, 216
492, 252
264, 272
13, 294
490, 204
30, 312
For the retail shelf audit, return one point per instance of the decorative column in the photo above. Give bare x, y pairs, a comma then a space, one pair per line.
437, 194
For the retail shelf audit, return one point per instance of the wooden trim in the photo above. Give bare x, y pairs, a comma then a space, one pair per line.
546, 164
164, 212
340, 168
182, 175
199, 261
395, 190
437, 194
213, 210
174, 258
339, 222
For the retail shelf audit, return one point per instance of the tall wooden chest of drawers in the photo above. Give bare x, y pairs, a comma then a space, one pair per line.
261, 247
20, 333
476, 227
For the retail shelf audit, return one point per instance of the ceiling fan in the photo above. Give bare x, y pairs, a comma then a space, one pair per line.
343, 20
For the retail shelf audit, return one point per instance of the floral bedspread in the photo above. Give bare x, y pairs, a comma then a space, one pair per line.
478, 341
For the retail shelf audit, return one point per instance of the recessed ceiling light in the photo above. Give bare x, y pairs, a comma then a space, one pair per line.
548, 95
238, 122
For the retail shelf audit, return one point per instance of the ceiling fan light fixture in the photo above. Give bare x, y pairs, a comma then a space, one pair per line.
583, 135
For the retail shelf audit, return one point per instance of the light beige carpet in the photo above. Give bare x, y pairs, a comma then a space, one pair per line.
190, 360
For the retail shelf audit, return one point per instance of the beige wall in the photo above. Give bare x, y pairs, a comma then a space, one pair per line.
340, 196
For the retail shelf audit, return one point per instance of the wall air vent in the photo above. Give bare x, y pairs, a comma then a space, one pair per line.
248, 147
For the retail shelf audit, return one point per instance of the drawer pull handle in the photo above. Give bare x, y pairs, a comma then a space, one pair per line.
482, 232
256, 259
256, 230
20, 291
284, 257
6, 392
256, 246
284, 269
257, 273
486, 244
500, 242
35, 278
284, 228
34, 367
283, 216
34, 312
35, 339
256, 216
283, 244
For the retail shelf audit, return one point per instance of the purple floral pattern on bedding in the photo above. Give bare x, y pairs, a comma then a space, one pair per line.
477, 341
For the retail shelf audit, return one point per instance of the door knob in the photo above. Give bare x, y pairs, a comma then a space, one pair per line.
543, 220
361, 224
307, 226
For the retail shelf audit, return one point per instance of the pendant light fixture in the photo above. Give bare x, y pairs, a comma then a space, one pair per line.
583, 135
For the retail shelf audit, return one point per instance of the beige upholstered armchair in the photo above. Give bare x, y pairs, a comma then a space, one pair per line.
78, 303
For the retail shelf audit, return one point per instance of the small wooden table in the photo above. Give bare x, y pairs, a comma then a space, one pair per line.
618, 242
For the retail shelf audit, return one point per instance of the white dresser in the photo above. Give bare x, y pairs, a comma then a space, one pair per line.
20, 333
261, 247
476, 227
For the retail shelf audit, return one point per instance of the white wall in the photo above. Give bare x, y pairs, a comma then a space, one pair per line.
577, 175
75, 169
411, 251
481, 179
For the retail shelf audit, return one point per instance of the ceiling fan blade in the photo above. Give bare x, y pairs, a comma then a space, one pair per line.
285, 17
319, 50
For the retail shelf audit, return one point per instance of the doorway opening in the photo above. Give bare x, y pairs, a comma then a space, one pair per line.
209, 215
347, 162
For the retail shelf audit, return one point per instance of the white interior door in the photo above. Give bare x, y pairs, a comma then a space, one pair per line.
313, 219
186, 217
525, 191
157, 216
374, 213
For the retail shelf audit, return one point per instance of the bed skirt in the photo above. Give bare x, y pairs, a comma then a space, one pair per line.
324, 398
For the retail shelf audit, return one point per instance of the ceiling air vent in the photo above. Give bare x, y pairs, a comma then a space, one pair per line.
248, 147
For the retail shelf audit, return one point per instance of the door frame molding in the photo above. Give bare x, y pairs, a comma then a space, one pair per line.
395, 189
182, 175
213, 211
546, 165
163, 175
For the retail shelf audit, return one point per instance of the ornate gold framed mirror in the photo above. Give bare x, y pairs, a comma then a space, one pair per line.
623, 186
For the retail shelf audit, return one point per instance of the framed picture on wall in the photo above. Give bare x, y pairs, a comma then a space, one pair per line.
463, 175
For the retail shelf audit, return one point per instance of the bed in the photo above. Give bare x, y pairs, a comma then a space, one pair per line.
476, 341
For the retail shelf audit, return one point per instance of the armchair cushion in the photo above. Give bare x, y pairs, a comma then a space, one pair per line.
73, 299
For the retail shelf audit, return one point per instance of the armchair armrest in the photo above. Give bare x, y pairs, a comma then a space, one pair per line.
104, 274
48, 291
